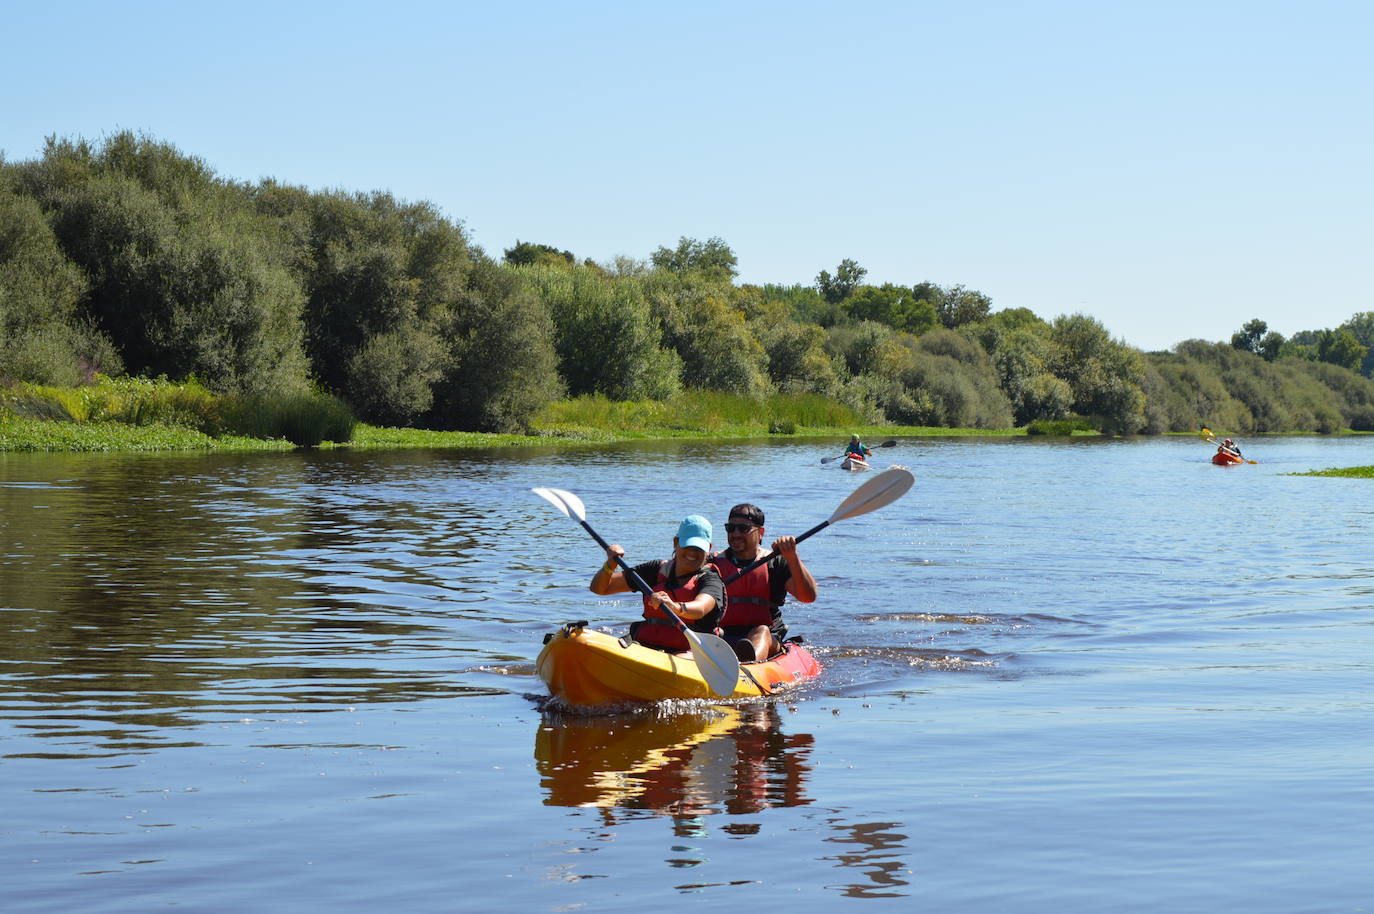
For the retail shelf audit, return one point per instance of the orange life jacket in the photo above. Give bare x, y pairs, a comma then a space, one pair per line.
658, 628
748, 600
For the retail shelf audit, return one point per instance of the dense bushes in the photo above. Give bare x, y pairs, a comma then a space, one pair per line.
302, 417
181, 275
130, 255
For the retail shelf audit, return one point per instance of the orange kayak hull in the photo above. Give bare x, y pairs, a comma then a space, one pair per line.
587, 668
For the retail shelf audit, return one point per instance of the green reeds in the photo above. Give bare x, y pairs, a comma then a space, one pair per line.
304, 418
696, 411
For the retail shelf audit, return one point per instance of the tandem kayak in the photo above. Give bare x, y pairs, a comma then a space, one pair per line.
583, 667
854, 463
1222, 459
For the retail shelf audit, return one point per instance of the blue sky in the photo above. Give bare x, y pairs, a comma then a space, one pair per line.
1173, 169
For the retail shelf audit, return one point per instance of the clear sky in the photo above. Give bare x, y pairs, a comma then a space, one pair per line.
1173, 169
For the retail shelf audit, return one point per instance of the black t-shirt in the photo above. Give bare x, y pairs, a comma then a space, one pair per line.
708, 582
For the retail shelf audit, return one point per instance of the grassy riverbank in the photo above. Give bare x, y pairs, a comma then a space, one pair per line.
143, 415
19, 434
22, 434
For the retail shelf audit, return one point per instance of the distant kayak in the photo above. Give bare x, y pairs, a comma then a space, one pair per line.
587, 668
1223, 459
854, 463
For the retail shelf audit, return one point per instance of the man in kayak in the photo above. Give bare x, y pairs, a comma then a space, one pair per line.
857, 448
683, 585
1229, 447
753, 608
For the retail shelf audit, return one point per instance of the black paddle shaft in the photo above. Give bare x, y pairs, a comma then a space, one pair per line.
630, 574
759, 561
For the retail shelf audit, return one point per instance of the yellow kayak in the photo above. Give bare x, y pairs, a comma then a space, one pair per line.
583, 667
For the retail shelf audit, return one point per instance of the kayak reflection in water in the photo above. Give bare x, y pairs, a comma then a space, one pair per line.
728, 759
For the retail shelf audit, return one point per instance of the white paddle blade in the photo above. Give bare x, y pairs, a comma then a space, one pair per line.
883, 489
717, 661
567, 502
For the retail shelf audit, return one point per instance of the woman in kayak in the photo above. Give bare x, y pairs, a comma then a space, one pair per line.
683, 585
1229, 447
753, 616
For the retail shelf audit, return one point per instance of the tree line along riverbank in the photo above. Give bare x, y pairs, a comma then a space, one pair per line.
315, 316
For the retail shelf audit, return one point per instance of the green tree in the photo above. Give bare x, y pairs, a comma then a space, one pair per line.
1022, 358
957, 305
391, 376
524, 253
1250, 336
713, 340
1362, 326
712, 259
806, 304
1103, 374
43, 337
835, 289
1340, 347
607, 339
868, 348
382, 279
1270, 346
183, 278
504, 367
893, 305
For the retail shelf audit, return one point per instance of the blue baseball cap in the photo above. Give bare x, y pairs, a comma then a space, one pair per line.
694, 530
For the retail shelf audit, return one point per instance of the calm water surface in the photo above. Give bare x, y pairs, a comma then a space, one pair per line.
1060, 676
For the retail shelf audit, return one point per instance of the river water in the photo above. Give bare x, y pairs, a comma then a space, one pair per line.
1060, 676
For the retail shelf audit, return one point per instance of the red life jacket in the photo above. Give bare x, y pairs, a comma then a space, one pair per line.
658, 628
748, 600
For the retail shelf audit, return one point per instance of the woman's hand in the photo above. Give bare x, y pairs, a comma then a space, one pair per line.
663, 601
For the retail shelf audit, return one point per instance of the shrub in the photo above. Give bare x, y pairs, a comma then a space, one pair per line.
1059, 426
305, 419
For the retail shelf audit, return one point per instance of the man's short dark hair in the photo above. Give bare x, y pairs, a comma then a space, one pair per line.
753, 512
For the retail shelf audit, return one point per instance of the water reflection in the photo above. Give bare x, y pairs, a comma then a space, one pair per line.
877, 849
733, 760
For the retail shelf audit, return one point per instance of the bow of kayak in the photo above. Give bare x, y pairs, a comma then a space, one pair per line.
1222, 459
587, 668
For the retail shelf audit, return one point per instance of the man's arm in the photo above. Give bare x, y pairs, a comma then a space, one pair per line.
801, 585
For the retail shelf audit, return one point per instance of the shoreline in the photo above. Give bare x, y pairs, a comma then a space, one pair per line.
25, 435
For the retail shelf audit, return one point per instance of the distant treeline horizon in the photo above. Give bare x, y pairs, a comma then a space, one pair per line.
129, 256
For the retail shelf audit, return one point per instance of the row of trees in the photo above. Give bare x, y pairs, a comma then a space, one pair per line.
131, 256
1351, 345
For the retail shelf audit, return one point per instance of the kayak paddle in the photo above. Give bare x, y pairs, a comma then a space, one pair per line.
1210, 438
717, 661
878, 492
888, 443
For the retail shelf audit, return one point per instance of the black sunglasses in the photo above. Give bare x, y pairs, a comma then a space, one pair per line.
739, 528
